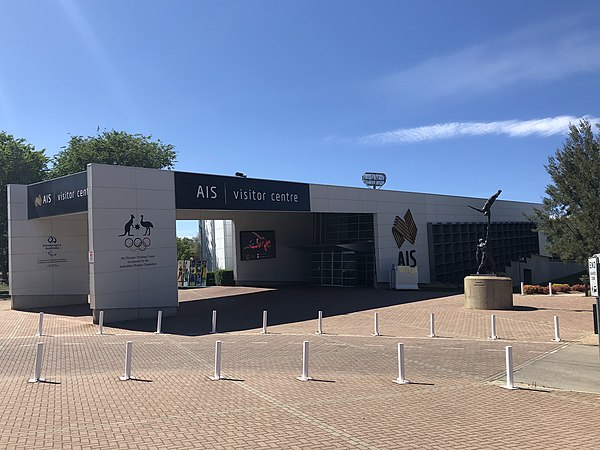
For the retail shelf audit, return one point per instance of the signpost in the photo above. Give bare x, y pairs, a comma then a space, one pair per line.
593, 272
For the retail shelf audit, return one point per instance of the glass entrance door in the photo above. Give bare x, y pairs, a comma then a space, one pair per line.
334, 268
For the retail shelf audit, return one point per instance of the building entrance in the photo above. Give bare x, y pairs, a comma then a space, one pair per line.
333, 268
338, 267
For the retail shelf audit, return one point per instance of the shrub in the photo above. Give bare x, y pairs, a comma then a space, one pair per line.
561, 288
579, 288
530, 289
224, 278
210, 278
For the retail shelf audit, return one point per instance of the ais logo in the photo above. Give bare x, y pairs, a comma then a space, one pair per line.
39, 200
405, 230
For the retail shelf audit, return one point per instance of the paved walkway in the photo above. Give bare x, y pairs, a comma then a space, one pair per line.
454, 401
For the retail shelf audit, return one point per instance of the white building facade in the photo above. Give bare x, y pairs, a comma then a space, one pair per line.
107, 236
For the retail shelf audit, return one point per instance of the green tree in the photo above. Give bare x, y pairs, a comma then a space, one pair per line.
113, 147
20, 163
570, 214
187, 247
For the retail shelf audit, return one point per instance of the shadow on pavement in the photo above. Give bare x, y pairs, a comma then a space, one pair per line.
284, 305
70, 310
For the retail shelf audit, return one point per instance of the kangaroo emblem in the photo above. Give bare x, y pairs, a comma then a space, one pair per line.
128, 227
147, 225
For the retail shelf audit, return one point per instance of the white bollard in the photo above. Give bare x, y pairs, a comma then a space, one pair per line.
214, 322
128, 355
40, 324
494, 335
320, 323
217, 375
264, 330
101, 323
305, 376
510, 381
37, 372
401, 378
376, 324
556, 330
549, 288
159, 323
431, 325
522, 288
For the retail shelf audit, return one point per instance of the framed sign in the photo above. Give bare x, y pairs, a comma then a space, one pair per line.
593, 272
65, 195
201, 191
257, 245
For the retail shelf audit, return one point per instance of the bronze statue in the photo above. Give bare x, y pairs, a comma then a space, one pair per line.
488, 204
483, 253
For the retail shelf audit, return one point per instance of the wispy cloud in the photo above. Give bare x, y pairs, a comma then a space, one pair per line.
514, 128
544, 52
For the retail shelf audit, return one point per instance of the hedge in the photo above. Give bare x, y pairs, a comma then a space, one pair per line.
210, 278
556, 288
224, 278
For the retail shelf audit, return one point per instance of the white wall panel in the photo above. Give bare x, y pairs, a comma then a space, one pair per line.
125, 276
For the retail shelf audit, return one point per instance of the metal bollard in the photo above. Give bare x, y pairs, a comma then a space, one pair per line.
128, 355
401, 378
320, 323
101, 323
37, 372
549, 288
494, 335
264, 330
217, 375
376, 324
214, 322
556, 330
522, 288
305, 376
510, 381
431, 325
40, 324
159, 323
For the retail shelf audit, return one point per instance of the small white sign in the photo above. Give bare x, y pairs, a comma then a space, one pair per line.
91, 256
406, 278
593, 272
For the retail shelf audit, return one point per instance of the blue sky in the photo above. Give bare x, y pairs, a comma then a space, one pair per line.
452, 97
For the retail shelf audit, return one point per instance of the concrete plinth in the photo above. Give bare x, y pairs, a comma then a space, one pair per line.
488, 292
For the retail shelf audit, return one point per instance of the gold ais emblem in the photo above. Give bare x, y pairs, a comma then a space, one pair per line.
38, 200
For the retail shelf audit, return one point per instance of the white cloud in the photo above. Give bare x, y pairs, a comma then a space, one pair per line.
514, 128
544, 52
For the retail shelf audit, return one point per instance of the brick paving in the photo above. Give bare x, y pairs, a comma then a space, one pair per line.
454, 400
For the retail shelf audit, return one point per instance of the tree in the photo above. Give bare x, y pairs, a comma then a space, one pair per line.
113, 147
570, 214
187, 247
20, 163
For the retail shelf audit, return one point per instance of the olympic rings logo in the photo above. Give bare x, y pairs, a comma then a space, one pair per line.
138, 243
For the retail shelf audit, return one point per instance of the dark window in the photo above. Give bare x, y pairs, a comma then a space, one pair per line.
452, 247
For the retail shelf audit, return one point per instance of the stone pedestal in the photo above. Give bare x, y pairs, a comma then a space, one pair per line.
488, 292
